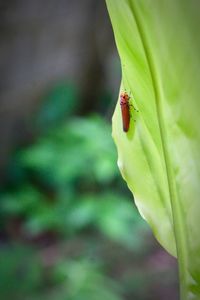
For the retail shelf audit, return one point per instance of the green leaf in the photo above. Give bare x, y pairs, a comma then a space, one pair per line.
59, 153
159, 46
85, 280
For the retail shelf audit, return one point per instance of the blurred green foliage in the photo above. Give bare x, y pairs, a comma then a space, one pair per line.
70, 183
68, 223
58, 103
19, 274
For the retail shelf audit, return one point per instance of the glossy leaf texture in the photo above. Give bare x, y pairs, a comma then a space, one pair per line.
159, 47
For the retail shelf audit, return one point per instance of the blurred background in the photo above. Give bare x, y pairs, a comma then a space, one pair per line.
69, 229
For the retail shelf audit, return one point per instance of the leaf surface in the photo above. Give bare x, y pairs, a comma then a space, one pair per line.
159, 46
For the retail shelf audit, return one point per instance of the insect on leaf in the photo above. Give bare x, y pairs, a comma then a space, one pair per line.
159, 45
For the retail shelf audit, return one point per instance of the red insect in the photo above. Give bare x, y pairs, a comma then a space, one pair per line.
125, 109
